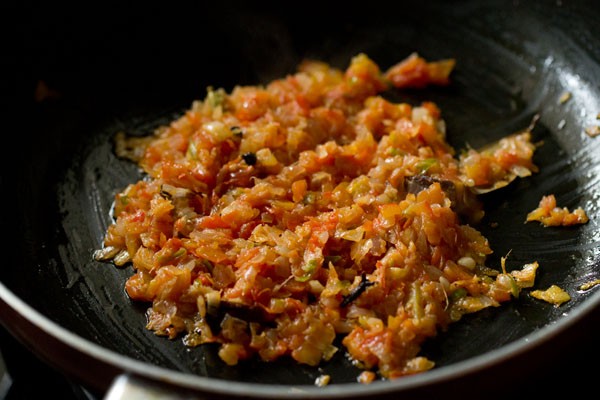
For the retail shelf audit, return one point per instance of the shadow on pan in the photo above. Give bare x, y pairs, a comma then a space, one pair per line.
78, 81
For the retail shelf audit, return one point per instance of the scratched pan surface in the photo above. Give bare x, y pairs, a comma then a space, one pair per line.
134, 70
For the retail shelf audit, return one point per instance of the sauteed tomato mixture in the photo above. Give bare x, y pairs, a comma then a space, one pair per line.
310, 216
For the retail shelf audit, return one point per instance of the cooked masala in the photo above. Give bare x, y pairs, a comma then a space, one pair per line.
311, 215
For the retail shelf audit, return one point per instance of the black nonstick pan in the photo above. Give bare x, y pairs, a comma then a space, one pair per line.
76, 77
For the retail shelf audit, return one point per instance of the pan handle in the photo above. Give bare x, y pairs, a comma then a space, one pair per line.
130, 387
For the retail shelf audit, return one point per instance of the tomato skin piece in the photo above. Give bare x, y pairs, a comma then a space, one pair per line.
212, 222
137, 286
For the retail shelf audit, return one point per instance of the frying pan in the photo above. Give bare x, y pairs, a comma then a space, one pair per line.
78, 76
